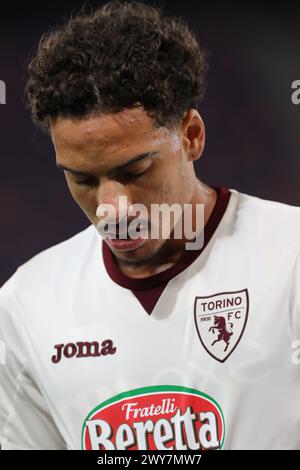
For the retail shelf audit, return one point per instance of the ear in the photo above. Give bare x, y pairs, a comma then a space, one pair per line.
193, 134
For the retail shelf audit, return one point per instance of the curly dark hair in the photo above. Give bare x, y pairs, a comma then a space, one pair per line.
122, 55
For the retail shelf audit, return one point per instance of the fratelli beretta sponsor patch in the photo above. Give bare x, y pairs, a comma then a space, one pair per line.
162, 417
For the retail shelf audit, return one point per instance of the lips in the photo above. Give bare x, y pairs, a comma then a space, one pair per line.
130, 239
125, 245
129, 234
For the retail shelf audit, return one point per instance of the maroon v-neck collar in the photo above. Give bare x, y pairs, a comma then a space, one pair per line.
149, 289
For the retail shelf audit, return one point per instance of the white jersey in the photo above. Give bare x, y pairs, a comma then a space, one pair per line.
204, 355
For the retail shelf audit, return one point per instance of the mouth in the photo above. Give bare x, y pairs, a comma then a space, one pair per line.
128, 239
125, 245
127, 233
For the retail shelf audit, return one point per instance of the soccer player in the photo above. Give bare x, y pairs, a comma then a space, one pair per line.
118, 342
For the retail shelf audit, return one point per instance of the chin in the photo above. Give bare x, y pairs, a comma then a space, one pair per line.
138, 256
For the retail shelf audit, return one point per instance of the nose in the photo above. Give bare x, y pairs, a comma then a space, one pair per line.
113, 201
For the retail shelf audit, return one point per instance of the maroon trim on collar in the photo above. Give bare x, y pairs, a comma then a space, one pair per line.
139, 286
148, 298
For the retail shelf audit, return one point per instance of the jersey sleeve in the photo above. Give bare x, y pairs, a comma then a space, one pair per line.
25, 420
295, 295
298, 287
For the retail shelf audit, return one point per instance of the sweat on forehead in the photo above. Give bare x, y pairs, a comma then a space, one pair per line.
104, 128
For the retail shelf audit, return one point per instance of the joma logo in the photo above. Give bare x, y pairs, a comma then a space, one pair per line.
83, 349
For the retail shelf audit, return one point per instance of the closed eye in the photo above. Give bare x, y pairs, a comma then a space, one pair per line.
133, 176
126, 176
86, 182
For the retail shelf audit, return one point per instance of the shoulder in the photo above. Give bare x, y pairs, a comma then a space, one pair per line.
271, 223
47, 267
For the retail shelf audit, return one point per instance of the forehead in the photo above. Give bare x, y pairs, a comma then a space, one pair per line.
106, 131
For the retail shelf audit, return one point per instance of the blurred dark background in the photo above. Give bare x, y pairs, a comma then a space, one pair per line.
253, 135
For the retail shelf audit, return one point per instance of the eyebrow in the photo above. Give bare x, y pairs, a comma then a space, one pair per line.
135, 159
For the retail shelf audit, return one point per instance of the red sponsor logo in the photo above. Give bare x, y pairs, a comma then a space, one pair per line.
162, 417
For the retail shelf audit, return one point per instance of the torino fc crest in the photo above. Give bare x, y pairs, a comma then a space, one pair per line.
220, 321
